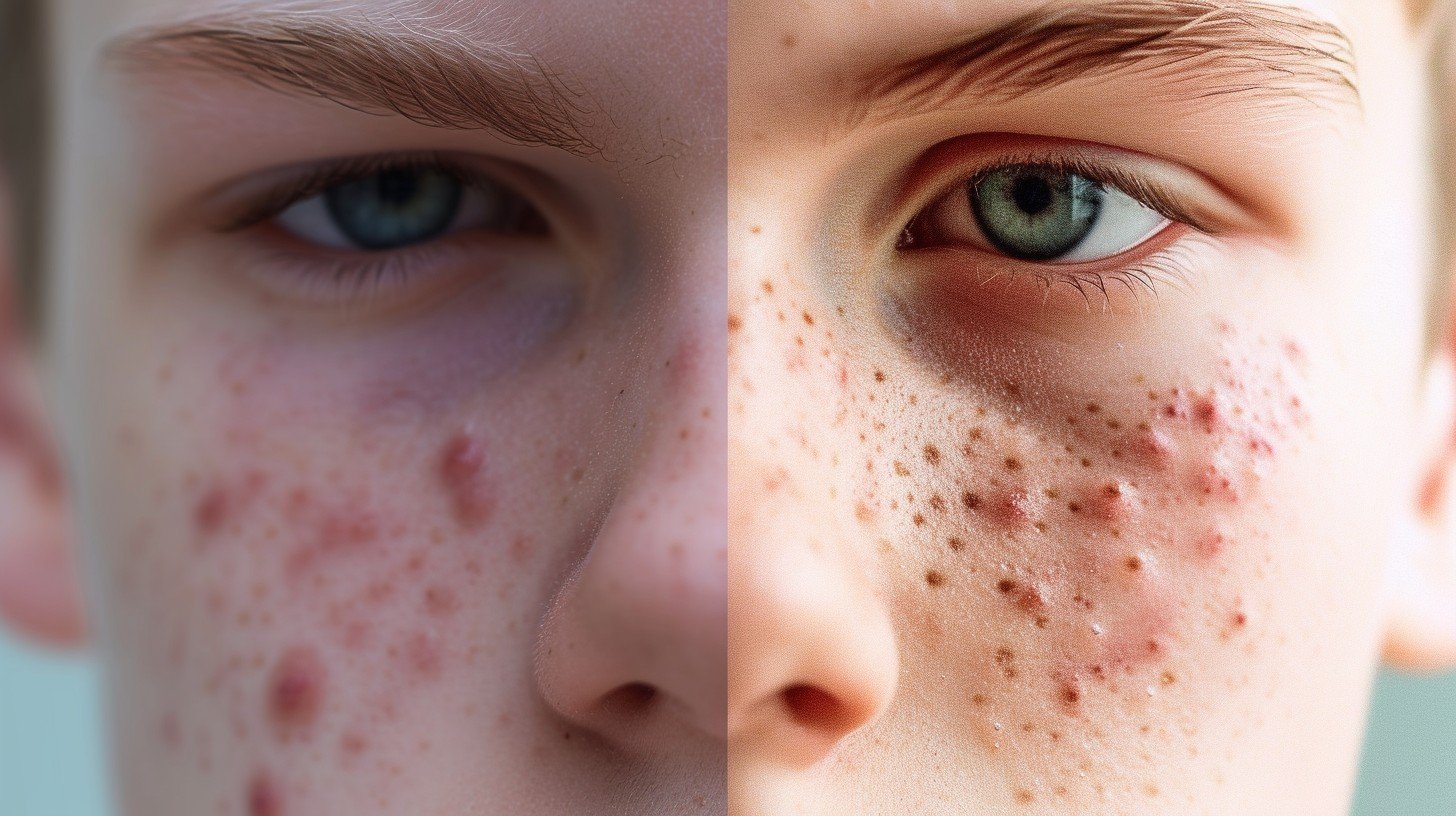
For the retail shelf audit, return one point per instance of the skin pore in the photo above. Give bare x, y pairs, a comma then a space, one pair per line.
1086, 537
434, 528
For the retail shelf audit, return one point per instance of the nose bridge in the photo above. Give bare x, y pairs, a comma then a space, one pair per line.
634, 646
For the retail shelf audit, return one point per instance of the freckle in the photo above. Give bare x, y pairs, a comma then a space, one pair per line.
463, 471
1006, 659
1024, 797
734, 322
937, 503
863, 512
978, 699
263, 797
934, 578
932, 454
808, 318
1167, 678
295, 690
1012, 463
1070, 693
879, 376
790, 41
1114, 424
1074, 507
975, 434
768, 286
1093, 408
1086, 463
919, 520
755, 229
901, 470
970, 500
955, 544
1134, 563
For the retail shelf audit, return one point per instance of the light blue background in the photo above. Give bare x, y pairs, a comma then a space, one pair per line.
51, 762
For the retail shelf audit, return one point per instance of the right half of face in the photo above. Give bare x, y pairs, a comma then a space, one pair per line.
399, 438
1056, 402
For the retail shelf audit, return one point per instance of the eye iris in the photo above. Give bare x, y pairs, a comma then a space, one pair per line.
1035, 213
394, 208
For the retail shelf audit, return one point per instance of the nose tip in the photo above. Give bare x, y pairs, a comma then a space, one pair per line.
812, 660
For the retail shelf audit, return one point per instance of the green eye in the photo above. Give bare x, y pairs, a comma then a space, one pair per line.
1036, 213
394, 208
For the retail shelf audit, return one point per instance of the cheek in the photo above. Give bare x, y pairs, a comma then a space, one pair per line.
308, 583
1096, 534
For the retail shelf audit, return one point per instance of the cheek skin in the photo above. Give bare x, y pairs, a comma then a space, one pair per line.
331, 596
1066, 563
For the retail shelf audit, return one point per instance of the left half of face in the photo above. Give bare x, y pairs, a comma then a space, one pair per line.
394, 411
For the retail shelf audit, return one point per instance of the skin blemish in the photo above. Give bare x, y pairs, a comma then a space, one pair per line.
970, 501
934, 578
441, 602
295, 691
463, 471
262, 797
1006, 660
1015, 508
932, 454
1029, 597
1112, 502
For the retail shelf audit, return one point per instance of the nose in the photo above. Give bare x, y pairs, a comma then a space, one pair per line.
811, 651
633, 647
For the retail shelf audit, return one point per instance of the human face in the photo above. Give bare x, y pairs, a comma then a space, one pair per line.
390, 360
1059, 370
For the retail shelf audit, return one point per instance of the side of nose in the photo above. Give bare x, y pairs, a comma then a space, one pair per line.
811, 651
633, 647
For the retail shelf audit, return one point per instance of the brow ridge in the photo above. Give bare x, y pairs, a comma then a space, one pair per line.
1270, 52
435, 78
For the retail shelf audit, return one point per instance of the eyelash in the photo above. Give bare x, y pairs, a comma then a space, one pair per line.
335, 276
1163, 268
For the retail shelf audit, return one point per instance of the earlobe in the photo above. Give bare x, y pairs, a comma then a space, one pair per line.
39, 597
1421, 575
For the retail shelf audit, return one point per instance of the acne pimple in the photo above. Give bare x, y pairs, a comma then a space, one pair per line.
463, 471
263, 797
295, 691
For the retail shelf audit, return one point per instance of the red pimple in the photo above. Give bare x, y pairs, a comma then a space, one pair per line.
463, 472
1111, 502
1013, 508
263, 798
1153, 448
295, 691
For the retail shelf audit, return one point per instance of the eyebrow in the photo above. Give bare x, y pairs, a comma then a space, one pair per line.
1266, 52
437, 76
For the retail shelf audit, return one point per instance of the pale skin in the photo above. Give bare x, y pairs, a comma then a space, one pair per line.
454, 547
999, 546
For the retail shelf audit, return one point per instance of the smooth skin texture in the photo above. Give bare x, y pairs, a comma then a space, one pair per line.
433, 530
1009, 537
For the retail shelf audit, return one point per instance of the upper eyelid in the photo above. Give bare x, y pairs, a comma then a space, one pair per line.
315, 179
1202, 203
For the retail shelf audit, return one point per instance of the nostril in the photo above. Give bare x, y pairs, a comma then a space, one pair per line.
814, 708
630, 699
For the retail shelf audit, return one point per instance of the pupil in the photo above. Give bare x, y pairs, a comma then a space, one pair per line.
396, 187
1032, 194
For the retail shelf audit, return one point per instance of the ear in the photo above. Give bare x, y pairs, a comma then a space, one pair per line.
39, 595
1421, 579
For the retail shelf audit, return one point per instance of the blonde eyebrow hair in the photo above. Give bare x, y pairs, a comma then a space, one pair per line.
424, 70
1221, 47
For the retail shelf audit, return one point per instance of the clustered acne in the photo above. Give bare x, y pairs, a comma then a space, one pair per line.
377, 586
1097, 519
